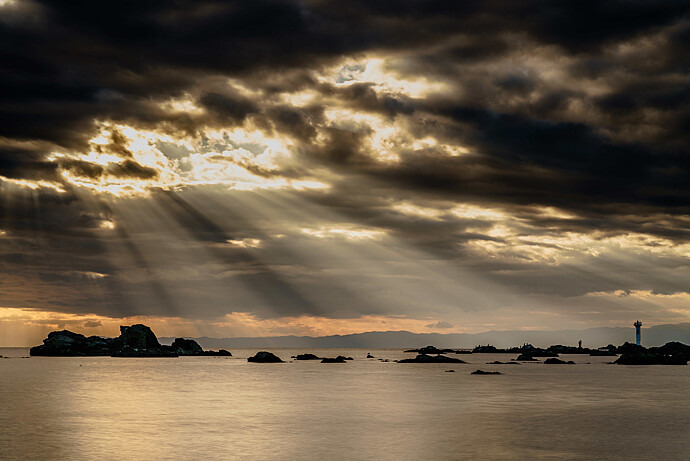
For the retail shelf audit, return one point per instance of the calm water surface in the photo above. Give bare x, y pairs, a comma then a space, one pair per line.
227, 408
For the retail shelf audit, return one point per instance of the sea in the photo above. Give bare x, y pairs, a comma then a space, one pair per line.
225, 408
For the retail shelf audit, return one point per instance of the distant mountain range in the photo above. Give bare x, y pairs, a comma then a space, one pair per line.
592, 337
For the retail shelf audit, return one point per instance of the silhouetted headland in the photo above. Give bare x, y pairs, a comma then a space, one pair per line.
134, 341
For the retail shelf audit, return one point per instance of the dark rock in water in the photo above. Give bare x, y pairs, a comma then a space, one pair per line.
134, 341
68, 344
526, 358
369, 356
482, 372
672, 353
555, 361
674, 349
502, 363
138, 337
488, 349
450, 371
423, 358
430, 350
560, 349
338, 359
186, 347
264, 357
529, 350
306, 357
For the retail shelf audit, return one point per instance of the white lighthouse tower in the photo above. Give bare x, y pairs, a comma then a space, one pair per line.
637, 326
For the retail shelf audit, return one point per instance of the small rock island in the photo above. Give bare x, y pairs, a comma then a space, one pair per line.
134, 341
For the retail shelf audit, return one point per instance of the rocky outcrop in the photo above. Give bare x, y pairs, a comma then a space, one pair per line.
134, 341
525, 357
65, 343
673, 353
264, 357
482, 372
338, 359
555, 361
431, 350
306, 357
185, 347
423, 358
138, 337
369, 356
488, 349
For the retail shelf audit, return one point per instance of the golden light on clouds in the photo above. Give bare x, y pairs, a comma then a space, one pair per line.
378, 72
126, 161
346, 232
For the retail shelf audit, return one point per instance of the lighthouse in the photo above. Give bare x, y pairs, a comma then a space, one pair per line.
637, 326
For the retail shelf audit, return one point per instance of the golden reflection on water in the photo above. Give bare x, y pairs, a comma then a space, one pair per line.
226, 408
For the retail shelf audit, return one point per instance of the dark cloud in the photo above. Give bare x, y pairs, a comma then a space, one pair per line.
579, 106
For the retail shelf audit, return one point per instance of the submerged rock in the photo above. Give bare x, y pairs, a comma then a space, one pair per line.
264, 357
423, 358
555, 361
482, 372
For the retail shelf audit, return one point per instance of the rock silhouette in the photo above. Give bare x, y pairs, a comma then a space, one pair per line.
525, 357
338, 359
264, 357
134, 341
306, 357
672, 353
431, 350
482, 372
423, 358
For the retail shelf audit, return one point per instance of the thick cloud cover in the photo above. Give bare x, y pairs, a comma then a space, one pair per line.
419, 159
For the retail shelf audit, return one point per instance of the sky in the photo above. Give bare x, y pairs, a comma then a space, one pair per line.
235, 168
